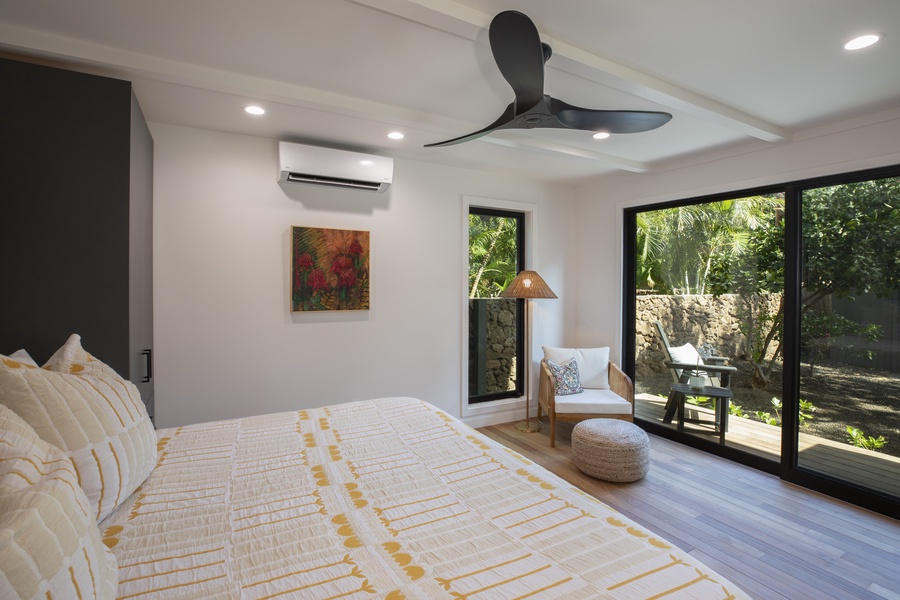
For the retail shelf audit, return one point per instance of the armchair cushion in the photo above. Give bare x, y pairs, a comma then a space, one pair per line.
593, 364
593, 402
565, 377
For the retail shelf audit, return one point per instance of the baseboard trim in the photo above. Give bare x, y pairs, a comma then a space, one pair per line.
497, 417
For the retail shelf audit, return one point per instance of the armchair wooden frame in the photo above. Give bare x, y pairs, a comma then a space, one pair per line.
619, 383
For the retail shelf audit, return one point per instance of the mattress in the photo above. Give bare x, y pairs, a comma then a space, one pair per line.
390, 498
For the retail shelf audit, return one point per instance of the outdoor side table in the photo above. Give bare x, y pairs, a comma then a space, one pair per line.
680, 392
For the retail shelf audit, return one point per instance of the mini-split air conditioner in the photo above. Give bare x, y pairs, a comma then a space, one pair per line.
313, 165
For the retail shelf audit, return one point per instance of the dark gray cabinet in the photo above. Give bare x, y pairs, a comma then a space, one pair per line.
76, 218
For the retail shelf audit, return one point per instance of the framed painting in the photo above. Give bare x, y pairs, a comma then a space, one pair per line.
329, 269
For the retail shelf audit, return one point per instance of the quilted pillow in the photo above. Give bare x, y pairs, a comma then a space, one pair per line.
93, 415
50, 546
72, 358
593, 364
23, 357
565, 377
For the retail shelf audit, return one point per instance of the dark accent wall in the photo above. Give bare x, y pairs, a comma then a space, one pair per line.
65, 178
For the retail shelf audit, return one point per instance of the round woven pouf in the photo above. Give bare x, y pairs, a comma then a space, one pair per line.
611, 449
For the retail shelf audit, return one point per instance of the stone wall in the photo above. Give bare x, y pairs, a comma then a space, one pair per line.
498, 335
697, 319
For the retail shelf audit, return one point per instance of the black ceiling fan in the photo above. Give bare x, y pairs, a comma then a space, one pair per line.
520, 56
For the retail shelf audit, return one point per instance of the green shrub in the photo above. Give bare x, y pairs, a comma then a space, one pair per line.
860, 440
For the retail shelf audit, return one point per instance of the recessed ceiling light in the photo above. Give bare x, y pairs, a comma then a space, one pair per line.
254, 110
366, 162
601, 135
395, 135
863, 41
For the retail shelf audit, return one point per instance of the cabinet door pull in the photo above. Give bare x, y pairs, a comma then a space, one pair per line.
148, 353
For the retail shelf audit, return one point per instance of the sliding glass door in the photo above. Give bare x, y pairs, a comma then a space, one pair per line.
849, 392
798, 287
708, 291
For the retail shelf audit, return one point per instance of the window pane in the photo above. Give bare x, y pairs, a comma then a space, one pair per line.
850, 333
709, 301
496, 340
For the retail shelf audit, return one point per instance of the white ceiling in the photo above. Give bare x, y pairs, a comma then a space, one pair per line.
344, 73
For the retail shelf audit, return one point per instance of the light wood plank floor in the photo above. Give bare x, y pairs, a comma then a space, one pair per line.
773, 539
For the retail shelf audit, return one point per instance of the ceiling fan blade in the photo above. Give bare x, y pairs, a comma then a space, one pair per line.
521, 56
507, 116
611, 121
517, 51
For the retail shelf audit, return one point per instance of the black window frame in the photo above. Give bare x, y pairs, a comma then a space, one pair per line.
788, 468
519, 390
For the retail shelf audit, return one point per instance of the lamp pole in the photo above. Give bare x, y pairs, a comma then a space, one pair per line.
528, 285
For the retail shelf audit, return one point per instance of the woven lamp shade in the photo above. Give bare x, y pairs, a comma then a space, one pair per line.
528, 284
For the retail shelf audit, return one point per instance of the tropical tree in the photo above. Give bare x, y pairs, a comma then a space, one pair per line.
676, 246
851, 245
851, 240
756, 277
492, 255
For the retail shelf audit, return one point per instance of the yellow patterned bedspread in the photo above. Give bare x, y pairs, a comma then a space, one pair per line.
385, 499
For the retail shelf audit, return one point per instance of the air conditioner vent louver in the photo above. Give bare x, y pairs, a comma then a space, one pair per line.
331, 181
327, 167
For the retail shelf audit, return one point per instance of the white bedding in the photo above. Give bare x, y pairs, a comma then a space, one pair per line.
389, 499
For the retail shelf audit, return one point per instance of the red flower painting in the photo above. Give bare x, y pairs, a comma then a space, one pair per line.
330, 269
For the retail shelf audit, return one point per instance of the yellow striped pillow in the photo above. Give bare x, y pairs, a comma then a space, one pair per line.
50, 545
93, 415
72, 358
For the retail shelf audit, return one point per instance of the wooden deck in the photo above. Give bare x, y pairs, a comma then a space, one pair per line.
871, 469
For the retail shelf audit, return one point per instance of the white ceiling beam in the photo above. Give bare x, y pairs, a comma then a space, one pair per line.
606, 72
533, 144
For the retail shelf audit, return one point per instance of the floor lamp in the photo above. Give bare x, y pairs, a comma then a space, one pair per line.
528, 285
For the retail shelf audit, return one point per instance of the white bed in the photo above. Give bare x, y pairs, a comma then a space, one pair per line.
389, 498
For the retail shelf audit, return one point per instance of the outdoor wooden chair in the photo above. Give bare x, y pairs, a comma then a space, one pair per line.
681, 361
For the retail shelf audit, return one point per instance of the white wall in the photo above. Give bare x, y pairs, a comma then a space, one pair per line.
863, 143
226, 343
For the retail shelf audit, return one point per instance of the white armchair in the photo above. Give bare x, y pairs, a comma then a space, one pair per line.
607, 392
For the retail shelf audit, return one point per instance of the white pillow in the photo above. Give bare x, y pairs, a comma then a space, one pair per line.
23, 357
593, 364
50, 547
686, 354
80, 405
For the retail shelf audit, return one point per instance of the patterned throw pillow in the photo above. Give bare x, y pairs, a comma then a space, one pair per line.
593, 364
50, 547
81, 406
565, 377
